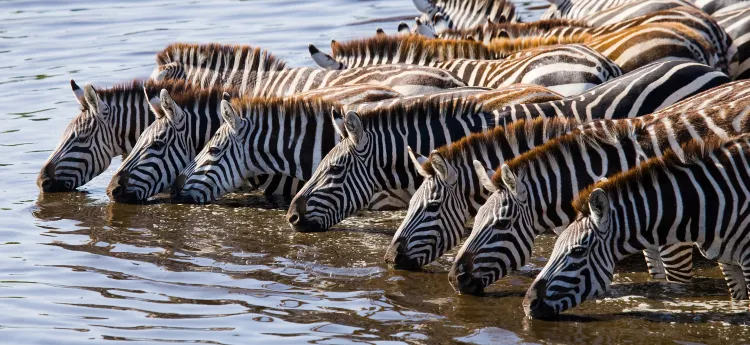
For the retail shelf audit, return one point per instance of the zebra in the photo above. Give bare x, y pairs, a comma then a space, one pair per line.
515, 213
697, 195
599, 13
403, 78
427, 232
713, 6
186, 121
467, 13
238, 153
108, 125
372, 156
578, 9
567, 70
689, 16
228, 62
737, 25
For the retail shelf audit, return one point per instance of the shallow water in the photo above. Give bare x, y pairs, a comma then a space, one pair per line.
74, 267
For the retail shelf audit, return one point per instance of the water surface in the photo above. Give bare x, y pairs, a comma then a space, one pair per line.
74, 267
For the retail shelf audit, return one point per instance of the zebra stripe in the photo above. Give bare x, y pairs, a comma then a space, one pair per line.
737, 25
713, 6
662, 202
186, 123
225, 61
373, 156
458, 14
579, 9
529, 195
632, 10
488, 31
427, 233
110, 122
405, 79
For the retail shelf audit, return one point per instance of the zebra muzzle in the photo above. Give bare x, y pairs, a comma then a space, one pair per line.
48, 183
462, 279
534, 304
117, 190
297, 219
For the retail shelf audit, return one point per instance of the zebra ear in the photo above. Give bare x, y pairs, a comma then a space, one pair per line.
154, 103
169, 107
509, 179
92, 99
424, 6
485, 176
324, 60
599, 206
230, 116
445, 171
418, 160
379, 31
353, 125
77, 92
338, 122
403, 29
503, 34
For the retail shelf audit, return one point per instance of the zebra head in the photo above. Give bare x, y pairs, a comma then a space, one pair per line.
502, 237
221, 166
86, 147
172, 70
581, 264
432, 224
160, 153
342, 183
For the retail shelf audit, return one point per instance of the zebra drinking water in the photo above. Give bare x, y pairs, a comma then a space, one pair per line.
698, 194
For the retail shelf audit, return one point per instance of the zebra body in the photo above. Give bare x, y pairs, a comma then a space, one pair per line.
186, 122
109, 124
568, 70
713, 6
632, 10
737, 25
242, 155
405, 79
699, 195
225, 61
426, 233
579, 9
532, 192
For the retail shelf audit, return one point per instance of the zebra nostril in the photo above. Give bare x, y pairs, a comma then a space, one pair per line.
293, 219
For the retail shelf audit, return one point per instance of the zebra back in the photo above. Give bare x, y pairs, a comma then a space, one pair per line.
227, 61
632, 9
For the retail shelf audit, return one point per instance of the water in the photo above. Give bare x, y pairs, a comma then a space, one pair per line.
74, 267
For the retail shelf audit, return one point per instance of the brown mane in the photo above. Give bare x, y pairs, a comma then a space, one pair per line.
227, 53
613, 133
503, 47
404, 47
420, 108
518, 131
290, 106
693, 152
673, 26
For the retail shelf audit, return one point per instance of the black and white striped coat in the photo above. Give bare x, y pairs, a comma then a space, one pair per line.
532, 192
457, 14
426, 232
186, 122
248, 150
699, 195
737, 25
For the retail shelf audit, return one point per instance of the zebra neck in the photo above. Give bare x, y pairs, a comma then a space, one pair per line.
129, 115
202, 123
289, 144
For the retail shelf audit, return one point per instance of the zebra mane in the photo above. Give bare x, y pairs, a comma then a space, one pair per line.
431, 107
515, 133
185, 93
198, 55
493, 30
611, 134
308, 106
682, 28
504, 47
693, 151
136, 86
410, 47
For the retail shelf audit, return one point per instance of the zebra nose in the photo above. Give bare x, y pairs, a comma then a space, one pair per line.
462, 279
397, 256
533, 303
297, 209
47, 181
118, 188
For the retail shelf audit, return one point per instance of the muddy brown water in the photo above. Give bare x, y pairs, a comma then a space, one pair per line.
75, 268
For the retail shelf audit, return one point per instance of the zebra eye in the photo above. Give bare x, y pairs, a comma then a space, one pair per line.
503, 223
336, 168
578, 252
433, 203
81, 137
157, 145
214, 151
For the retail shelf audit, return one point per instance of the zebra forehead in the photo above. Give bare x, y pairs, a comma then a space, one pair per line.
229, 53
